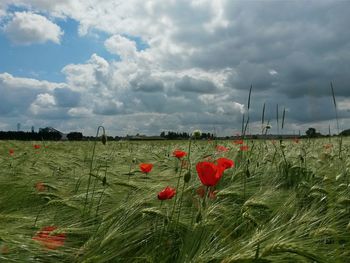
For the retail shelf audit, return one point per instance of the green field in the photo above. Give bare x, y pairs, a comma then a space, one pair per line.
286, 202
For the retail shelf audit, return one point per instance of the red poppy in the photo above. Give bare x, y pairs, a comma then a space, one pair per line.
146, 167
238, 142
48, 240
244, 148
40, 187
225, 163
296, 140
209, 173
221, 148
11, 151
36, 146
179, 154
167, 193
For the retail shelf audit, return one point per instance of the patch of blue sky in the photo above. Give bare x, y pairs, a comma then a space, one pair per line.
45, 61
15, 8
140, 44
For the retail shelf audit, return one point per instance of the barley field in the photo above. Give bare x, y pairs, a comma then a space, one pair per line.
279, 201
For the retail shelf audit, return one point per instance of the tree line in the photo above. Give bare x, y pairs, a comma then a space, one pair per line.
78, 136
170, 135
30, 136
48, 136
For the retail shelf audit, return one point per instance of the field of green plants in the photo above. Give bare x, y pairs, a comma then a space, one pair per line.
280, 201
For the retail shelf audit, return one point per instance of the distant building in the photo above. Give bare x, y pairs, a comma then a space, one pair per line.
53, 130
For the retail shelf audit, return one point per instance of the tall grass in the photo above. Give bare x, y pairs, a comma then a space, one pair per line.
297, 212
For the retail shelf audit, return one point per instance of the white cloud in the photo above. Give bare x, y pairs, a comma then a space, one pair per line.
9, 81
42, 102
83, 77
121, 46
344, 105
26, 28
45, 100
273, 72
80, 112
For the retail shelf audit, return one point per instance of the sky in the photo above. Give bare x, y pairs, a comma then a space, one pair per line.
149, 66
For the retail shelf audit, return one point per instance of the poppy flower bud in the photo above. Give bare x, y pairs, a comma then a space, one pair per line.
301, 158
196, 134
247, 173
104, 139
187, 177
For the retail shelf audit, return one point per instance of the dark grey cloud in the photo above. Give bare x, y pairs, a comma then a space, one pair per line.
304, 42
106, 107
189, 84
65, 97
14, 101
147, 85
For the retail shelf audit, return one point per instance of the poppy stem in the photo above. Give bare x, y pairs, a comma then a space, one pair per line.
189, 154
177, 187
180, 205
244, 185
205, 197
99, 202
37, 216
158, 220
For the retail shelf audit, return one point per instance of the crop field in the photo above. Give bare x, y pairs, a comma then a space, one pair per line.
278, 201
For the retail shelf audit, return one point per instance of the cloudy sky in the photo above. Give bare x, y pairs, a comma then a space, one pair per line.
148, 66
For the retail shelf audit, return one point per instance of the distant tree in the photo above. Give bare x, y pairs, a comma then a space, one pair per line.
311, 132
345, 132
